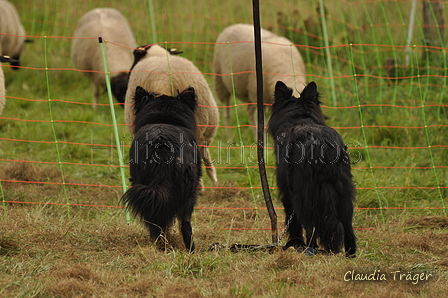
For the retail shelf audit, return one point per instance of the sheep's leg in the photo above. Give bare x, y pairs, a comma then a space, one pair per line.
228, 123
224, 97
253, 118
96, 95
210, 168
251, 111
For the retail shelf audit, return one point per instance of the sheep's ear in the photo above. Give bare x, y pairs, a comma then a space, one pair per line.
139, 53
310, 92
282, 92
189, 97
8, 59
141, 97
174, 51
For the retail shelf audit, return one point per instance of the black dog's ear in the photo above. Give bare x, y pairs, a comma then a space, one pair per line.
189, 97
282, 92
310, 92
141, 97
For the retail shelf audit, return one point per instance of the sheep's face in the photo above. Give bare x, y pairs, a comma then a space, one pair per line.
119, 85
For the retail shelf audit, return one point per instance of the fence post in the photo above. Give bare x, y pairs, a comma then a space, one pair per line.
114, 122
260, 106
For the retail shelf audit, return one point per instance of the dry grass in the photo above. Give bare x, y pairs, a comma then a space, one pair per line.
58, 251
94, 253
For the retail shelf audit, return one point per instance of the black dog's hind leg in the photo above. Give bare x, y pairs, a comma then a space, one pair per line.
294, 229
154, 230
187, 234
157, 234
349, 240
295, 237
311, 237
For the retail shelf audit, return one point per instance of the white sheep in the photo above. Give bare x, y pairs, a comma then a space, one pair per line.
2, 80
281, 61
159, 71
11, 44
2, 88
112, 26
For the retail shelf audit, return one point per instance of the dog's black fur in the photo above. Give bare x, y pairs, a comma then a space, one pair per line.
313, 173
165, 162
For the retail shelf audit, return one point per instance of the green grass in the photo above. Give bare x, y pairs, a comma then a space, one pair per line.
84, 251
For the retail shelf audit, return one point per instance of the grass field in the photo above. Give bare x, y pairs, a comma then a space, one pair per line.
63, 233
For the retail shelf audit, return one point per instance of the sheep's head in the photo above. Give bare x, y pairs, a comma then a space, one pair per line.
154, 50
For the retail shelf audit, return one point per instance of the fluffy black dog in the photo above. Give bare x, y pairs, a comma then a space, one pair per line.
165, 163
313, 173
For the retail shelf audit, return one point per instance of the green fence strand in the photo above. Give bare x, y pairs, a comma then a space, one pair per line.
50, 109
114, 122
369, 161
3, 197
442, 95
423, 96
327, 51
152, 17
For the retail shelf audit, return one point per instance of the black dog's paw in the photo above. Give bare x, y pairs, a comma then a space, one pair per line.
310, 251
350, 256
296, 243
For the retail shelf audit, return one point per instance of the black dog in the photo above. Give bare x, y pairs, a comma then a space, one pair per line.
165, 162
313, 173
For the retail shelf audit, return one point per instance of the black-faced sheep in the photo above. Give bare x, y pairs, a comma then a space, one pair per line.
159, 71
11, 43
281, 61
112, 26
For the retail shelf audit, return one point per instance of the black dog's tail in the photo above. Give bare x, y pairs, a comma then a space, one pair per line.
332, 235
329, 228
153, 206
332, 230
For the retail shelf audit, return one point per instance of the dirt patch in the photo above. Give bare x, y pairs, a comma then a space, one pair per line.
8, 247
81, 272
28, 172
71, 287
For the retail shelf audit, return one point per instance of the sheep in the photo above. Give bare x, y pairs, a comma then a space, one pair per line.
158, 71
2, 80
2, 87
11, 44
112, 26
281, 61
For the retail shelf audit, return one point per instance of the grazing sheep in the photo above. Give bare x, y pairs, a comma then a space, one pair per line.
112, 26
2, 80
281, 61
158, 71
11, 45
